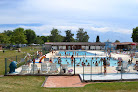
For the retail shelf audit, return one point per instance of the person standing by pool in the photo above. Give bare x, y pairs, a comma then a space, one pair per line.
65, 53
136, 66
96, 64
59, 60
104, 63
72, 60
88, 64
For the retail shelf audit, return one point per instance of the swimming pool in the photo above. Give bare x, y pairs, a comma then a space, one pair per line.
80, 60
75, 53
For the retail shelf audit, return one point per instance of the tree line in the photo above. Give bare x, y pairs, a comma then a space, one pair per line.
28, 36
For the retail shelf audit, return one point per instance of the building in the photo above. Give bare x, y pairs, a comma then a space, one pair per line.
74, 45
125, 45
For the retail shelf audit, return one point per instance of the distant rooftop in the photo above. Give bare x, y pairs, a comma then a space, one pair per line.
75, 43
125, 43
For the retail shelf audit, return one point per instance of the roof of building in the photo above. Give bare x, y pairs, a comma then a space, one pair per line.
125, 43
75, 43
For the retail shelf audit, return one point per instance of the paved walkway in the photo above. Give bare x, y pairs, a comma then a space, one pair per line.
63, 81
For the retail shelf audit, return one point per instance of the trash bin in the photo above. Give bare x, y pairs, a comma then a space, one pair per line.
64, 70
13, 66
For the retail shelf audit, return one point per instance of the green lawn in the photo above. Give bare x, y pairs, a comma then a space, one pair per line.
13, 53
33, 83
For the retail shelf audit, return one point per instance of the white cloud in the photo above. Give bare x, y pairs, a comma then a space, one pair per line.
45, 34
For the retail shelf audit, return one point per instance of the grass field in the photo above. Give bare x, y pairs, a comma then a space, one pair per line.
33, 83
13, 53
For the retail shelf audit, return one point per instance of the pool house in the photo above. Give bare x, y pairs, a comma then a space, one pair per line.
75, 45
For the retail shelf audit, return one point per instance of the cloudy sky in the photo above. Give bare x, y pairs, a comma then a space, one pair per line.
110, 19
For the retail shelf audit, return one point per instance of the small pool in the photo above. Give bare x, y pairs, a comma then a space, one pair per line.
80, 60
75, 53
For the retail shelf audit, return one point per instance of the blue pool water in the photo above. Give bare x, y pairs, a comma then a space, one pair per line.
65, 60
75, 53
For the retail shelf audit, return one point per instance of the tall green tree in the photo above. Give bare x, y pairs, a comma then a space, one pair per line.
97, 38
8, 32
135, 34
82, 35
44, 38
18, 36
69, 36
117, 41
55, 36
31, 36
38, 40
4, 39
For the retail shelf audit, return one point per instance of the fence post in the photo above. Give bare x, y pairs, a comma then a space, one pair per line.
121, 72
16, 58
91, 70
101, 66
74, 66
83, 71
5, 66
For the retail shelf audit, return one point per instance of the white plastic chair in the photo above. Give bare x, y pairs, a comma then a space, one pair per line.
44, 67
34, 68
53, 68
25, 69
124, 68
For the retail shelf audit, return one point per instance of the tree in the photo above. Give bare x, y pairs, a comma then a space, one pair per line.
38, 40
44, 38
97, 38
135, 34
69, 36
18, 36
117, 41
31, 36
55, 36
4, 38
82, 36
8, 32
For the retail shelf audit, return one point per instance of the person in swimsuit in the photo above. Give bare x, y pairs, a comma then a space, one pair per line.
88, 64
136, 66
72, 60
104, 64
96, 64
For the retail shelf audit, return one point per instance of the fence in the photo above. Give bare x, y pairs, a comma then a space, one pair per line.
94, 68
20, 60
122, 71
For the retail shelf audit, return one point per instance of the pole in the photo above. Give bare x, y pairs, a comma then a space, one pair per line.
60, 67
16, 58
121, 72
83, 71
5, 66
101, 66
74, 66
91, 70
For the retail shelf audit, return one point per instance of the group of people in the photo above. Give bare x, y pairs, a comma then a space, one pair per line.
76, 54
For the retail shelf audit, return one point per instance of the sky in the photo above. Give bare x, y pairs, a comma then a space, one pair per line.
110, 19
